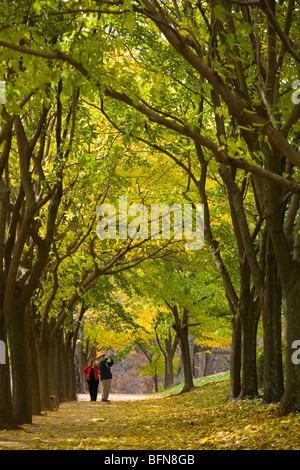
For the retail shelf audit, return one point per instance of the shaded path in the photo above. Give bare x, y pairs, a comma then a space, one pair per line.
118, 397
203, 419
128, 422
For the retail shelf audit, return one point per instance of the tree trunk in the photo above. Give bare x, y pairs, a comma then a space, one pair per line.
182, 331
66, 371
288, 261
232, 297
291, 398
271, 315
170, 348
43, 374
249, 321
69, 354
169, 375
6, 407
235, 362
33, 367
187, 369
250, 272
155, 380
61, 361
22, 405
54, 370
80, 361
249, 371
71, 392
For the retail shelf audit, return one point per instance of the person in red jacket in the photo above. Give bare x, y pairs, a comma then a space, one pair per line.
92, 373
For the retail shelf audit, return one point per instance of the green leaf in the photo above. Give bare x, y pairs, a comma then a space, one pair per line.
129, 22
220, 13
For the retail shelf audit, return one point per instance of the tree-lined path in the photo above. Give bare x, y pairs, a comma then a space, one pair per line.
109, 109
202, 419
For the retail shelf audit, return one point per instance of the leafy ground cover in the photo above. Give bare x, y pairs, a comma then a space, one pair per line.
203, 419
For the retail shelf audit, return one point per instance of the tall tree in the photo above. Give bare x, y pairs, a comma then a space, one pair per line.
25, 248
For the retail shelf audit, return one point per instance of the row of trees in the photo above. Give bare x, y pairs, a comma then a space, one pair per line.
207, 86
56, 170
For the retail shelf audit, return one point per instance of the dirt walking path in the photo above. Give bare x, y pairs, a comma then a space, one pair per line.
117, 397
128, 422
201, 420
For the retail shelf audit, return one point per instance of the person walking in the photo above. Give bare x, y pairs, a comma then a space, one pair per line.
92, 373
105, 375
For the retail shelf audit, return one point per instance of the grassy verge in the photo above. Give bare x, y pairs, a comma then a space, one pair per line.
197, 382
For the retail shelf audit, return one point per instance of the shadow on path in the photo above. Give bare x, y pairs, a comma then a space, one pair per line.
118, 397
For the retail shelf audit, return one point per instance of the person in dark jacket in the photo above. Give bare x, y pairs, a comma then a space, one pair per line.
92, 373
105, 375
